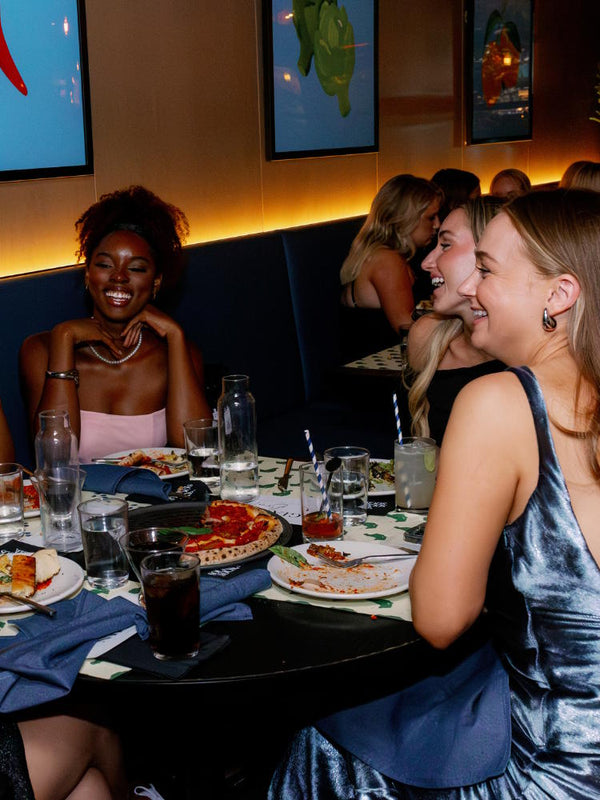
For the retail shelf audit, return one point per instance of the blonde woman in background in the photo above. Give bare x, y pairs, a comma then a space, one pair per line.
377, 274
582, 175
509, 183
440, 351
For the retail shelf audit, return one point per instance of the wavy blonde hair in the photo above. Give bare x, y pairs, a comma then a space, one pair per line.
479, 212
560, 233
395, 212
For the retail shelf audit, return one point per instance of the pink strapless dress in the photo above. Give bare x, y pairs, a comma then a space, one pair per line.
102, 434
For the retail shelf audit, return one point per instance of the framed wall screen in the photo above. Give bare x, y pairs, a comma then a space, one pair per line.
499, 66
44, 90
320, 70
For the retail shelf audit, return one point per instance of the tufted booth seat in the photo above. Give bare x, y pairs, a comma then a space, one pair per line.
265, 305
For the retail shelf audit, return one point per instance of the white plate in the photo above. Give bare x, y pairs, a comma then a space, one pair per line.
379, 487
68, 580
370, 579
156, 453
33, 512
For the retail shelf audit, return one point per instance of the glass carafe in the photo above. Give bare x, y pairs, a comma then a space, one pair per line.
55, 442
238, 455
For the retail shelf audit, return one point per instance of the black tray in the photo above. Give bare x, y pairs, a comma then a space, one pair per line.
170, 515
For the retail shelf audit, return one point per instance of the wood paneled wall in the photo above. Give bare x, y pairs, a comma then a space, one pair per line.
176, 93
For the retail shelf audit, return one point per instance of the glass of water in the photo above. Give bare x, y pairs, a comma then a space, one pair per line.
202, 448
103, 522
355, 477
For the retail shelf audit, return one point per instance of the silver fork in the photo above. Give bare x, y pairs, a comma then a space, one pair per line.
352, 562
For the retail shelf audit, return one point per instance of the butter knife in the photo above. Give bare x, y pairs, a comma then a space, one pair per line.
282, 483
29, 602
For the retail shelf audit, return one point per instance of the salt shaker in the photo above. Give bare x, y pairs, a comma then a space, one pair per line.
238, 455
55, 442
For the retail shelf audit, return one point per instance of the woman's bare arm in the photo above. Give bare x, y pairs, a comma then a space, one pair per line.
185, 379
489, 446
7, 449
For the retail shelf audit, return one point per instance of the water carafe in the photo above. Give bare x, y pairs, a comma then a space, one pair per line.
238, 455
55, 442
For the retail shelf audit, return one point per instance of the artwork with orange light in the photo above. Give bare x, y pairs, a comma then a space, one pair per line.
499, 62
44, 93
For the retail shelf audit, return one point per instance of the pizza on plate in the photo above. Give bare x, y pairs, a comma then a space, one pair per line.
160, 462
230, 531
31, 499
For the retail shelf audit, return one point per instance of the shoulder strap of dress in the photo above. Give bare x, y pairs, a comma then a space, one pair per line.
548, 458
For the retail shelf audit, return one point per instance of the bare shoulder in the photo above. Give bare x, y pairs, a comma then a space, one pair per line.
385, 260
418, 336
493, 407
35, 347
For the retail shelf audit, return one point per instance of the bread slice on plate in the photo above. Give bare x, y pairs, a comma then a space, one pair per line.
47, 565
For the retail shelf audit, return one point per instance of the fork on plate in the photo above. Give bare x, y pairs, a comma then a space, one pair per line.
352, 562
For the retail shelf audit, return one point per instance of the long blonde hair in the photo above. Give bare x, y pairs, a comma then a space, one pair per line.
395, 212
479, 212
560, 232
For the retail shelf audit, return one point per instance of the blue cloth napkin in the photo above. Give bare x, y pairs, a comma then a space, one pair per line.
220, 597
110, 479
41, 663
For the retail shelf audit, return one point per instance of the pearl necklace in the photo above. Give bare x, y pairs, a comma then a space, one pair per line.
114, 361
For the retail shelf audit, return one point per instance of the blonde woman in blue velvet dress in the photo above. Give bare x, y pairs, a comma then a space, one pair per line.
514, 520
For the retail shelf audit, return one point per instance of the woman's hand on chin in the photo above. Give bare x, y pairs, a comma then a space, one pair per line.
150, 317
87, 331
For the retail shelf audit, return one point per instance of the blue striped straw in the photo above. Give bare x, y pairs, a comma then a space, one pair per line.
315, 464
397, 415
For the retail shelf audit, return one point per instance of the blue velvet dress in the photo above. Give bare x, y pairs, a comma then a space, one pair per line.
544, 605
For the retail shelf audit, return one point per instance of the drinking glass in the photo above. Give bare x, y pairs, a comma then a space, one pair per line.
415, 471
202, 448
103, 522
150, 541
355, 477
319, 524
59, 489
11, 502
171, 584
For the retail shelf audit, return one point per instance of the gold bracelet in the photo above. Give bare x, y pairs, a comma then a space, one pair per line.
67, 375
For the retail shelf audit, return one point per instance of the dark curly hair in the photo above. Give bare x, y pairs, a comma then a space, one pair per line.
163, 226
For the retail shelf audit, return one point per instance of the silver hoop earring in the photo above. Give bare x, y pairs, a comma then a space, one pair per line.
548, 322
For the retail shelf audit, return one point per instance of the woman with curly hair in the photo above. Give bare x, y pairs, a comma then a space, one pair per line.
376, 274
126, 374
440, 351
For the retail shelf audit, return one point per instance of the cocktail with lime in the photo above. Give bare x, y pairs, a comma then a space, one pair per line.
415, 471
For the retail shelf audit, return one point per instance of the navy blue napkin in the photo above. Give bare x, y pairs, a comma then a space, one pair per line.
220, 597
41, 663
110, 479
